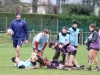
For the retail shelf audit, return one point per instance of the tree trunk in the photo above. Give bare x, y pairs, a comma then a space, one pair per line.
34, 6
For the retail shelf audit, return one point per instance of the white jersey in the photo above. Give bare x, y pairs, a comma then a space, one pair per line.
42, 40
27, 64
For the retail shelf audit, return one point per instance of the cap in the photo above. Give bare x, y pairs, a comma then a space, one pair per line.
18, 12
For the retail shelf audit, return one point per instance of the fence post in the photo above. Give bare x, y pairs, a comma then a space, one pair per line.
6, 22
41, 23
32, 34
57, 25
49, 35
81, 37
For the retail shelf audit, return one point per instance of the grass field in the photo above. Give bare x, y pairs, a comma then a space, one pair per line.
7, 67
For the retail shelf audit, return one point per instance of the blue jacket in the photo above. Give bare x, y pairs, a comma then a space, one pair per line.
20, 30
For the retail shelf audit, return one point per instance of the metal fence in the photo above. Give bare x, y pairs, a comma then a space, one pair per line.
54, 25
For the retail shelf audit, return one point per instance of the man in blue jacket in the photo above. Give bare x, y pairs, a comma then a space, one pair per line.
21, 32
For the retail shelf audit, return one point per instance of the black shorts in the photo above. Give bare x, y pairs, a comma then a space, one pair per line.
38, 50
94, 49
73, 52
75, 46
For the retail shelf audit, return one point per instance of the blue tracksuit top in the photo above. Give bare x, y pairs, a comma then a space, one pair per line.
20, 30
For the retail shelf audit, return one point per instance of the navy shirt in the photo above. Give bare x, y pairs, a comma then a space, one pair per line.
20, 30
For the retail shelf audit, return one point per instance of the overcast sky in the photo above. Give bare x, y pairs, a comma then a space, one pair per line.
54, 1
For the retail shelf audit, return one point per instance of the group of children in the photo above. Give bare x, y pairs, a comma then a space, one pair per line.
66, 43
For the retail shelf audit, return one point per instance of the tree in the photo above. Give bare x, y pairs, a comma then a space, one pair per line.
34, 6
13, 5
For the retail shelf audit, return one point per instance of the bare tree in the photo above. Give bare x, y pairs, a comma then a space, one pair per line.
13, 5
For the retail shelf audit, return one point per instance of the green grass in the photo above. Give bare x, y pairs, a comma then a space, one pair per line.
7, 67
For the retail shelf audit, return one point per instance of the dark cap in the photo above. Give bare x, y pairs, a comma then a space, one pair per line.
18, 12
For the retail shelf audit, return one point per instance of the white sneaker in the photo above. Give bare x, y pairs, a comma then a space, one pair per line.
15, 65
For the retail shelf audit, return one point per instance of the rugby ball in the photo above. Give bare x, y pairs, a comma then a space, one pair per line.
10, 31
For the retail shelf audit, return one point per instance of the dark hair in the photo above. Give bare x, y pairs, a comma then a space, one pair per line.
13, 59
64, 27
45, 30
60, 43
94, 26
74, 22
51, 44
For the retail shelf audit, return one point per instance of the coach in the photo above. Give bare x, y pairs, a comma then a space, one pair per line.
21, 32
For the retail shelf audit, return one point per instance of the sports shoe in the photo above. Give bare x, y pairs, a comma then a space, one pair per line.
97, 69
82, 66
76, 68
88, 69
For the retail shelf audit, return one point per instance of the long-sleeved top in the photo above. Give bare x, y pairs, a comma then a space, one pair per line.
57, 54
20, 30
67, 48
94, 40
53, 64
39, 41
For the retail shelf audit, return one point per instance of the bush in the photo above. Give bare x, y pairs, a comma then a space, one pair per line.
78, 9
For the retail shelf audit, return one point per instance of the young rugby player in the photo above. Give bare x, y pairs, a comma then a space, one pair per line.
30, 63
21, 32
66, 48
74, 34
40, 42
94, 41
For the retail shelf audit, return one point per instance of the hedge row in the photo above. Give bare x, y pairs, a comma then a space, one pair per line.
92, 17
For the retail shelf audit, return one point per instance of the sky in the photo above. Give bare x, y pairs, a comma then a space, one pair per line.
54, 1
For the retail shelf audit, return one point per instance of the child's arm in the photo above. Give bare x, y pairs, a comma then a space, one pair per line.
32, 67
57, 53
66, 44
57, 38
94, 37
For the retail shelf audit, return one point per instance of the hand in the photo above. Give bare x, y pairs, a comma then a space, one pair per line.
85, 42
26, 41
8, 33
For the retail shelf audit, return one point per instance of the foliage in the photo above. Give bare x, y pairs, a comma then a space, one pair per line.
79, 9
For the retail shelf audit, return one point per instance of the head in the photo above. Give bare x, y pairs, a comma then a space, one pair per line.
45, 32
52, 45
64, 29
60, 45
15, 60
18, 15
93, 27
46, 61
75, 24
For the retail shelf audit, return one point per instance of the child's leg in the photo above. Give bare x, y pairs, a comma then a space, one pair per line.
72, 57
75, 62
94, 54
71, 60
90, 58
